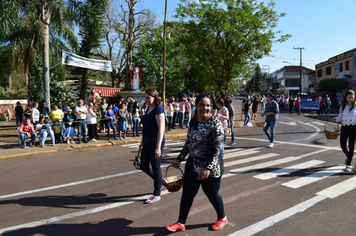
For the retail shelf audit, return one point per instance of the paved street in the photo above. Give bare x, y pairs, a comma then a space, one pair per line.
296, 188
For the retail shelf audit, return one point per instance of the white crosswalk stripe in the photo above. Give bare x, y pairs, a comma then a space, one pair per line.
302, 181
288, 170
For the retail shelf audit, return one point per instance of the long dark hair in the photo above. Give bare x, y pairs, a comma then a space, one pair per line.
344, 100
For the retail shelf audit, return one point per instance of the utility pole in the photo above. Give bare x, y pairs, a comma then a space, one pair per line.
300, 72
164, 55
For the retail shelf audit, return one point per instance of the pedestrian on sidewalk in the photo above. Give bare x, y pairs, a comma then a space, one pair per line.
347, 117
82, 112
204, 166
91, 122
109, 116
18, 114
271, 113
247, 107
230, 122
69, 124
27, 130
327, 104
135, 118
44, 129
152, 142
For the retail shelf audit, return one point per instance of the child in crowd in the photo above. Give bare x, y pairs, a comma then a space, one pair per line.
8, 114
57, 131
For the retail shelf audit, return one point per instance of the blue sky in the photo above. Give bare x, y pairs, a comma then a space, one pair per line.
325, 28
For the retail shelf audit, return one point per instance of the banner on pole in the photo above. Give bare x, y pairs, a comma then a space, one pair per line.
72, 59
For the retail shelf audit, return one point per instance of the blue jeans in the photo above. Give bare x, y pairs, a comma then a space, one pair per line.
298, 110
24, 136
82, 128
272, 124
110, 124
44, 133
230, 124
247, 118
189, 116
147, 158
135, 125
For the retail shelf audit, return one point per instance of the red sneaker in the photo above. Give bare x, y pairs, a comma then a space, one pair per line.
219, 224
175, 227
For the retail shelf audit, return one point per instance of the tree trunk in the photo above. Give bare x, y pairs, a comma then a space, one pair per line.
131, 38
10, 81
45, 64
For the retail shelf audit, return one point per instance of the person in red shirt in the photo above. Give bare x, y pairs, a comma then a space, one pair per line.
27, 130
297, 105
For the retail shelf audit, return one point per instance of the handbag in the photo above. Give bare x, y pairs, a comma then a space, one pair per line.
137, 161
227, 131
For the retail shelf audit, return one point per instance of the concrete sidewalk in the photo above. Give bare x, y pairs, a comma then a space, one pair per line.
10, 146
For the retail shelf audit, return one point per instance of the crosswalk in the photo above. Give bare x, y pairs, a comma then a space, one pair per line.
259, 159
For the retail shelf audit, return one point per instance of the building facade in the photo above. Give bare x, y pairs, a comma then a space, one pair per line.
340, 66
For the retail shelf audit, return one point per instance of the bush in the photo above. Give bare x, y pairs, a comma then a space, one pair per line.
2, 117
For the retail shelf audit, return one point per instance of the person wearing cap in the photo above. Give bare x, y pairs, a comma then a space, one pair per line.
81, 112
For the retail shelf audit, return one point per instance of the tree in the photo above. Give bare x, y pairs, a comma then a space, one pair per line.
149, 56
221, 37
89, 18
333, 85
256, 83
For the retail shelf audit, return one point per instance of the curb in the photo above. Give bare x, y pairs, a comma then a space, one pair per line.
109, 143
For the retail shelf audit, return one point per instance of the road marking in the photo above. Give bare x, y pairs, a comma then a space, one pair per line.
331, 192
268, 222
305, 180
339, 189
77, 214
318, 123
250, 159
239, 154
292, 143
288, 170
262, 165
292, 123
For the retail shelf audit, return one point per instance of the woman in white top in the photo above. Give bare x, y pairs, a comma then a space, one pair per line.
35, 114
91, 122
347, 117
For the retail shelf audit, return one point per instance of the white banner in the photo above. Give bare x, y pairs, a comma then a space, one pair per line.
72, 59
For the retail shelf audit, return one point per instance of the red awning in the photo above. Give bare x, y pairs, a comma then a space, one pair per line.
107, 92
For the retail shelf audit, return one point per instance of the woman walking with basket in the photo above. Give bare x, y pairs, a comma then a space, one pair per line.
205, 164
152, 142
347, 117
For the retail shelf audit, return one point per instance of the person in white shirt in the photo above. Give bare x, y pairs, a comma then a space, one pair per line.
91, 122
81, 112
347, 117
35, 114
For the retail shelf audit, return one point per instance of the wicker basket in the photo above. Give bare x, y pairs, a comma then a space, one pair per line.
332, 134
261, 124
173, 183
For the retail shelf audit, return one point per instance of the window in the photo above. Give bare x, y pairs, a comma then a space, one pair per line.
328, 70
320, 73
347, 65
341, 69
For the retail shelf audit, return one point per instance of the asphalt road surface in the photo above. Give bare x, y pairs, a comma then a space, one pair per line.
298, 187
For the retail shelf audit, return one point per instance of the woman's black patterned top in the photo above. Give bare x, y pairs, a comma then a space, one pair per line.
203, 144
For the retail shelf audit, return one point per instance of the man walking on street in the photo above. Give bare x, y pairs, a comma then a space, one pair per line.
327, 104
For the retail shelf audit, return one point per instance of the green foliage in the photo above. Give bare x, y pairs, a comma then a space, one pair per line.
35, 88
2, 117
149, 55
220, 38
333, 85
256, 83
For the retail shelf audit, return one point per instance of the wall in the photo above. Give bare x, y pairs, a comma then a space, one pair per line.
11, 103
